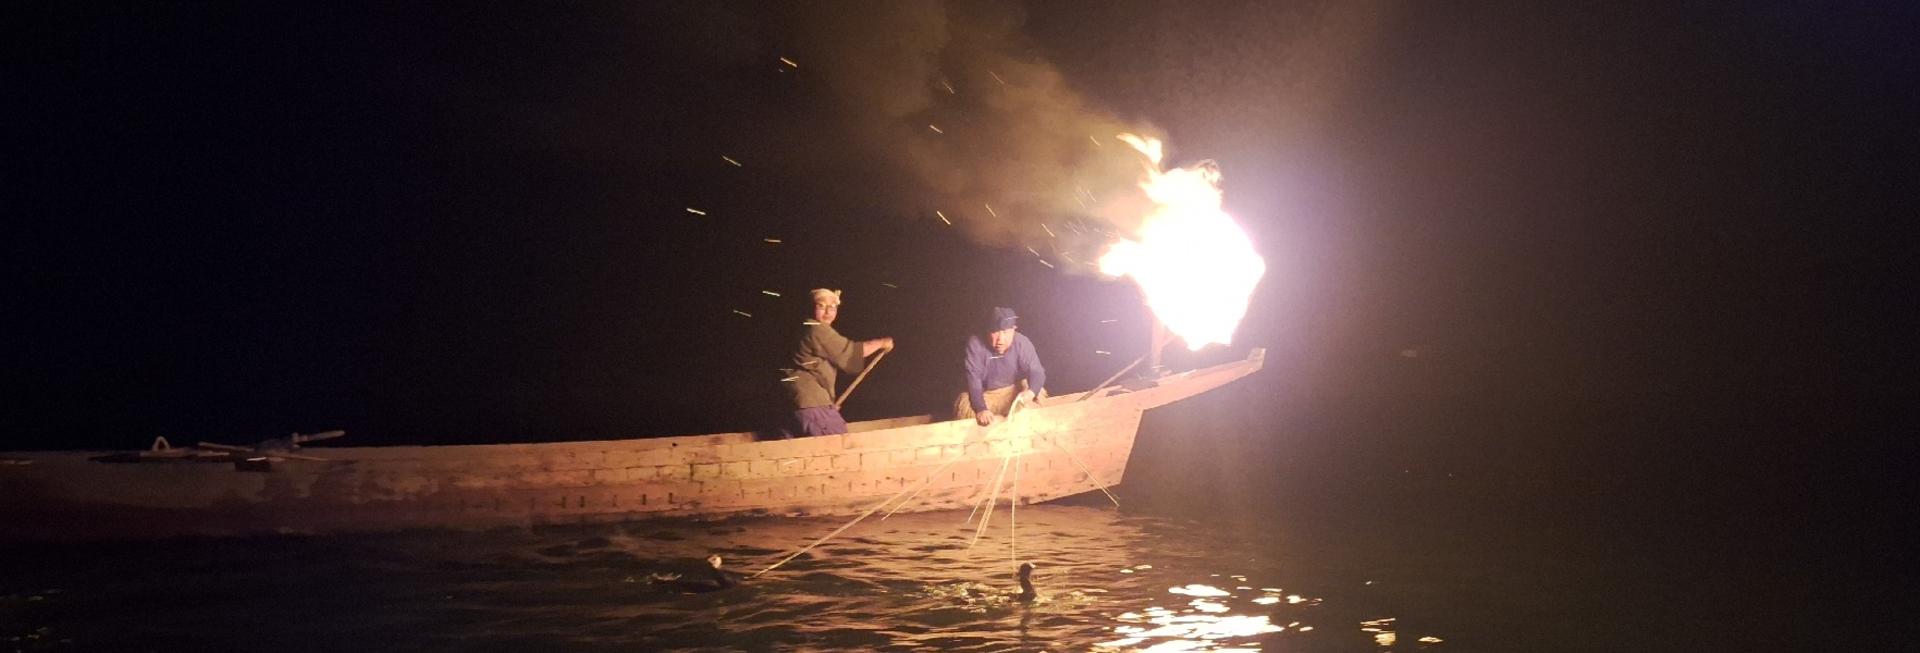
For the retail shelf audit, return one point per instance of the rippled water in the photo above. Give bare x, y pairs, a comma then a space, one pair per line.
1301, 570
913, 582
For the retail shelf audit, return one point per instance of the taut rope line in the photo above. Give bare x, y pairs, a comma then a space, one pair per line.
836, 531
1013, 520
1013, 517
1084, 470
993, 497
923, 485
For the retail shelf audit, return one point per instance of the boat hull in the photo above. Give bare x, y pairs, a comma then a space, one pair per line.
1068, 447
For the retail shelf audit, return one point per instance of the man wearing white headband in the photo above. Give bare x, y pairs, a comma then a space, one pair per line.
819, 354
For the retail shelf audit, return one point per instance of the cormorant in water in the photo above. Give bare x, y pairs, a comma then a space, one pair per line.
1026, 584
716, 578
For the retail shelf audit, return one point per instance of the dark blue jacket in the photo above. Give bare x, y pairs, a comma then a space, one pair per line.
987, 371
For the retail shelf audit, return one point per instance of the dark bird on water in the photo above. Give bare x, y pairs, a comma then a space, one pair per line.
1026, 584
715, 578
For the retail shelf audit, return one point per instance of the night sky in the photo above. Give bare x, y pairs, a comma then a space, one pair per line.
469, 223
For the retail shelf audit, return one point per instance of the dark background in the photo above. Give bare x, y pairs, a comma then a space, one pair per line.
1646, 256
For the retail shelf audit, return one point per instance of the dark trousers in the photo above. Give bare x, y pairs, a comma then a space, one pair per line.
820, 420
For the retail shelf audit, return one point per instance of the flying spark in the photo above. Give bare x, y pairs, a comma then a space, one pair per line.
936, 130
883, 283
990, 210
695, 211
742, 313
1043, 227
1035, 252
949, 87
770, 293
729, 159
1045, 263
996, 77
775, 241
789, 62
1096, 141
943, 218
1103, 352
1108, 321
811, 323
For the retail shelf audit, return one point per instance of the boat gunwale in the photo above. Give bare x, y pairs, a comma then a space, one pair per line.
1255, 358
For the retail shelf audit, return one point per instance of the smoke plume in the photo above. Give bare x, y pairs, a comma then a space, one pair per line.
955, 95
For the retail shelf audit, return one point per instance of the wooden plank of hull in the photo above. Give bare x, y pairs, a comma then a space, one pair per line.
63, 495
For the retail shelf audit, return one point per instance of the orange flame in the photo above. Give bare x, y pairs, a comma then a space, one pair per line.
1196, 266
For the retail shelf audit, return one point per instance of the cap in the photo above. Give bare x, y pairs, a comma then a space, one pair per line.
1003, 318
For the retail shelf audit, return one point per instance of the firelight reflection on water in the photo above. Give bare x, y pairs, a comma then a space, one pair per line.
1105, 581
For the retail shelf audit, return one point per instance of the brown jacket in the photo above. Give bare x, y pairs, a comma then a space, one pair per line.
819, 354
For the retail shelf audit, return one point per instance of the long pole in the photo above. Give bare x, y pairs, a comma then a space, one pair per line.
1116, 376
858, 379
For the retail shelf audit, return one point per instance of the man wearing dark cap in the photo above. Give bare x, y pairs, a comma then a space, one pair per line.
1001, 368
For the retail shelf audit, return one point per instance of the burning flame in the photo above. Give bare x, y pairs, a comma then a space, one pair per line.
1196, 266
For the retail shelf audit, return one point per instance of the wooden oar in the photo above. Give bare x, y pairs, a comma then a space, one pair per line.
858, 379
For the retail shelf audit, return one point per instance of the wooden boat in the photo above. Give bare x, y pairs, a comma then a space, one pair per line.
1073, 444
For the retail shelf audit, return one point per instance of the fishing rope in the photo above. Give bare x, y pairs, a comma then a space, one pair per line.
1013, 518
1015, 408
836, 531
1084, 470
1076, 459
993, 498
924, 485
976, 510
